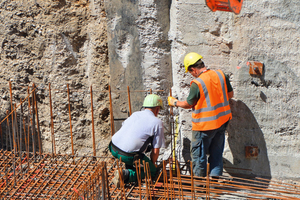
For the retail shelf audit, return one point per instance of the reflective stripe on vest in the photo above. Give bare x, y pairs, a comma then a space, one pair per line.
214, 121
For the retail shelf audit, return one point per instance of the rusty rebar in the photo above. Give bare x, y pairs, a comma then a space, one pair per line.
138, 174
52, 124
32, 123
93, 126
192, 181
70, 118
207, 181
37, 120
58, 177
129, 102
21, 133
10, 113
2, 145
112, 124
12, 116
16, 134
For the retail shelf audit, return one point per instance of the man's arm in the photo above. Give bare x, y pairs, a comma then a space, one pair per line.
229, 87
183, 104
191, 100
154, 155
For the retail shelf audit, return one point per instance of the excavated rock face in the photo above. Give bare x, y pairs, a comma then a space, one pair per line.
58, 42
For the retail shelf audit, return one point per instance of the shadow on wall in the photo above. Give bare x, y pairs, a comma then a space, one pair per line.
21, 133
186, 154
244, 131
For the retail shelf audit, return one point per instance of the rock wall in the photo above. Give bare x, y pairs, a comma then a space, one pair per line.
58, 42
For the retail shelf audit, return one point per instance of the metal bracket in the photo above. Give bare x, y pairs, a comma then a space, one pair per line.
255, 68
251, 151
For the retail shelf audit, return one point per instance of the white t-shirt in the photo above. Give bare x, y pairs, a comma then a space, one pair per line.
137, 129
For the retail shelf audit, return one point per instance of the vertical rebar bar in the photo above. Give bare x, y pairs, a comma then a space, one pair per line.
33, 123
207, 181
112, 124
21, 133
37, 121
146, 181
2, 145
31, 117
12, 116
26, 145
28, 142
166, 187
129, 102
9, 132
93, 128
138, 174
7, 136
16, 131
149, 178
103, 182
70, 118
171, 178
192, 181
121, 179
179, 179
52, 125
106, 179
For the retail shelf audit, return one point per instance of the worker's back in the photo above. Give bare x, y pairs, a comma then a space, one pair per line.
136, 130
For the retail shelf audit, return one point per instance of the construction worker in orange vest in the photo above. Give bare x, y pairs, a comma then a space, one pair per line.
209, 96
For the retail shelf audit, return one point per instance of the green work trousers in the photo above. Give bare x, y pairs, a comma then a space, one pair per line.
129, 164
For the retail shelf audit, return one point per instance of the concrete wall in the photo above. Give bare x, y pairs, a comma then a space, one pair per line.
265, 109
148, 37
139, 53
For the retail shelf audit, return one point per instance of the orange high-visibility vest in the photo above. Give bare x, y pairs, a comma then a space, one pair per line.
212, 109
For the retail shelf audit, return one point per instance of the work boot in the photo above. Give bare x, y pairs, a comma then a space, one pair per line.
116, 180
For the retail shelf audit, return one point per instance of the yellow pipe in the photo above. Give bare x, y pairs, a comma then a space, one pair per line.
175, 140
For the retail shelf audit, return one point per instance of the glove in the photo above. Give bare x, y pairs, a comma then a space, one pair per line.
172, 101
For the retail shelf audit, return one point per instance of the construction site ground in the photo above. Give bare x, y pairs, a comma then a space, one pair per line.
49, 176
28, 173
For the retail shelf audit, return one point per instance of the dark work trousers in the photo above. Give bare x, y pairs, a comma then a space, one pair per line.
204, 142
129, 164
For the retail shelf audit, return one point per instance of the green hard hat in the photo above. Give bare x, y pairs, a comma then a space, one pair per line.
152, 100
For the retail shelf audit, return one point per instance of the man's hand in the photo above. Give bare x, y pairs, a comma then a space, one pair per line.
172, 101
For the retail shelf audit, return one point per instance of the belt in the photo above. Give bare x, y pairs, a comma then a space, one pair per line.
119, 151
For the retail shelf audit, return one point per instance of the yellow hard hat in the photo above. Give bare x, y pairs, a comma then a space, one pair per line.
190, 59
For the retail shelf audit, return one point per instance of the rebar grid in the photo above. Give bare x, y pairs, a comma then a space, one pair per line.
48, 177
88, 177
171, 184
33, 175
